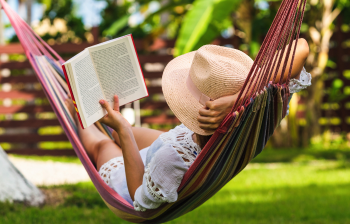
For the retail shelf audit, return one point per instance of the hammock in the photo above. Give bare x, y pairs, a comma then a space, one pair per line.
241, 136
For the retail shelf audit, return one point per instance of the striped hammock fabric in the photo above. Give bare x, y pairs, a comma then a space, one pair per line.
241, 136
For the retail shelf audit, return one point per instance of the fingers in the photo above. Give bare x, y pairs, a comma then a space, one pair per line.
207, 112
208, 120
116, 103
209, 127
210, 104
106, 106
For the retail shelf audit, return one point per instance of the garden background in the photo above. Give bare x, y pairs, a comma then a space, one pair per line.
301, 177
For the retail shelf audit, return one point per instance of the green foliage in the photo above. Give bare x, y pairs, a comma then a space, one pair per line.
117, 26
62, 159
55, 145
46, 3
335, 93
342, 4
50, 130
203, 23
114, 18
63, 9
331, 64
346, 74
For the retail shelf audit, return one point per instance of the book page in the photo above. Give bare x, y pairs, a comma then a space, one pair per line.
72, 85
88, 88
118, 69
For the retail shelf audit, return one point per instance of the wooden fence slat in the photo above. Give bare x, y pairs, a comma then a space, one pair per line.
143, 59
152, 75
25, 109
32, 94
154, 90
15, 65
30, 123
155, 58
34, 79
161, 119
154, 105
22, 94
19, 79
42, 152
16, 48
32, 138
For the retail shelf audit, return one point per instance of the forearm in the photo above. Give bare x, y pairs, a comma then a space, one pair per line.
144, 137
301, 53
215, 111
134, 167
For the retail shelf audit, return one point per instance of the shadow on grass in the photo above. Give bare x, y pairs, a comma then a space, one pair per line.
307, 204
300, 155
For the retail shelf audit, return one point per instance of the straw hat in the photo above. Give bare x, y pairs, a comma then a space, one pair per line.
207, 74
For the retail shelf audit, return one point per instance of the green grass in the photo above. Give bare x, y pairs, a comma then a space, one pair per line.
62, 159
301, 155
281, 193
315, 191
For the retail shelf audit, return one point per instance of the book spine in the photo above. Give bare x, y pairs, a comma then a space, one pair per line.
133, 43
71, 93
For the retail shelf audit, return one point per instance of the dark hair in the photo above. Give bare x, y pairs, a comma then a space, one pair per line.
202, 139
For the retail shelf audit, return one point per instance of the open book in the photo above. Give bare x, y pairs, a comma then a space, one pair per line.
102, 71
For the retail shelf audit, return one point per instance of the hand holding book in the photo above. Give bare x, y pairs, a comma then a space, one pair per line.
114, 118
102, 71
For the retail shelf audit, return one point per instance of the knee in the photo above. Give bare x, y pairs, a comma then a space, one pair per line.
99, 147
303, 49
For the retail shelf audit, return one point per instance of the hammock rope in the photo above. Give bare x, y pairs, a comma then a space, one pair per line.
242, 135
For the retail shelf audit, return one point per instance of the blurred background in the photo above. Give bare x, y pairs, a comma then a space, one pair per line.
305, 166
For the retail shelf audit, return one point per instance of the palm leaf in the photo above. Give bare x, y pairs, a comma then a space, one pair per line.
117, 26
203, 23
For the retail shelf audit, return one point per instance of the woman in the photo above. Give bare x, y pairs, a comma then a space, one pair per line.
146, 166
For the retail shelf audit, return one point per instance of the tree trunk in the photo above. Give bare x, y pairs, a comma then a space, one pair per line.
245, 19
29, 11
14, 187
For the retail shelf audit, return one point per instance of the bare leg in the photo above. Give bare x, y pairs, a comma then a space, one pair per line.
144, 137
99, 147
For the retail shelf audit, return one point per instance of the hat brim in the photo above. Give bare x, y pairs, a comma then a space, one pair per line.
179, 98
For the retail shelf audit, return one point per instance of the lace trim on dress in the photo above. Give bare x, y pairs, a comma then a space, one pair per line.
181, 139
113, 164
152, 187
295, 85
137, 207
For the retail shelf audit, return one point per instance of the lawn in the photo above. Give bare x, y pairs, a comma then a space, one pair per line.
300, 190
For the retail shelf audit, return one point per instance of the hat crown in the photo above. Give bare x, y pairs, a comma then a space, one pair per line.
219, 71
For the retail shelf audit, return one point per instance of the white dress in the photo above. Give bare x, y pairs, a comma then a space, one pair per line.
166, 161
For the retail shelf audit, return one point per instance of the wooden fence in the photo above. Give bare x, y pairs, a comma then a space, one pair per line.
28, 125
336, 111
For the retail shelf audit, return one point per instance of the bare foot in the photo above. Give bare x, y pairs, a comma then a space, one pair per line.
71, 107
